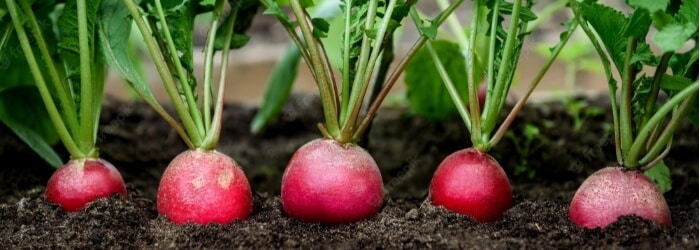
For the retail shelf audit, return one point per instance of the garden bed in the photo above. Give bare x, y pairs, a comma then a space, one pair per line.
407, 149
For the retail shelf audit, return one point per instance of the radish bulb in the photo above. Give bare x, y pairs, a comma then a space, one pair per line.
204, 187
613, 192
80, 182
472, 183
330, 183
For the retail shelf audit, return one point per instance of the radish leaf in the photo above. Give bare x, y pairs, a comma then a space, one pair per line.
279, 86
661, 176
427, 96
32, 125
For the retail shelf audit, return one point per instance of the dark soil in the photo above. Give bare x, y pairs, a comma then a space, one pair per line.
407, 150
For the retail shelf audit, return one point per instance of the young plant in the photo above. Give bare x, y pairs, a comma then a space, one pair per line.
69, 70
470, 181
643, 123
531, 142
200, 185
333, 180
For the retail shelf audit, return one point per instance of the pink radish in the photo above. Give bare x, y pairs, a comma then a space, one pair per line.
331, 183
472, 183
79, 182
204, 187
613, 192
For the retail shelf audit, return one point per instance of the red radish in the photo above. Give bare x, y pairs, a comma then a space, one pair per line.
79, 182
472, 183
204, 187
613, 192
331, 183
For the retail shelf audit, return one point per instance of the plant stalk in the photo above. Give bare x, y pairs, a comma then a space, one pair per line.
192, 131
396, 72
655, 86
208, 61
213, 134
360, 88
183, 77
461, 107
53, 112
681, 100
86, 140
626, 123
328, 97
612, 84
503, 128
62, 92
501, 86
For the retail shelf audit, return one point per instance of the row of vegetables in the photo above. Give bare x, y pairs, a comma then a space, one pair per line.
60, 52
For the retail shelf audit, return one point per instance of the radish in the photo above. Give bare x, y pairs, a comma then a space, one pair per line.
331, 183
69, 72
79, 182
472, 183
204, 187
643, 125
333, 180
613, 192
200, 185
469, 181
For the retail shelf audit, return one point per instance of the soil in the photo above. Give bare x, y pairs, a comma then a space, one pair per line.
407, 149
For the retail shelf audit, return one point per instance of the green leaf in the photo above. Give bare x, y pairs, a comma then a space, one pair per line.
306, 3
688, 12
278, 89
68, 44
22, 110
661, 176
674, 83
651, 6
244, 18
426, 94
274, 9
114, 29
674, 36
609, 25
179, 15
320, 27
34, 141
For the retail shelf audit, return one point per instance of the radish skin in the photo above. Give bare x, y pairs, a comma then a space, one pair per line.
472, 183
613, 192
204, 187
330, 183
79, 182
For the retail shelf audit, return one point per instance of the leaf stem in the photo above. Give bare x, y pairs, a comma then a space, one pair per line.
503, 128
626, 91
655, 87
473, 89
635, 149
460, 105
163, 71
213, 134
495, 99
53, 112
396, 72
184, 79
63, 94
328, 97
208, 61
365, 72
86, 138
612, 84
345, 92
